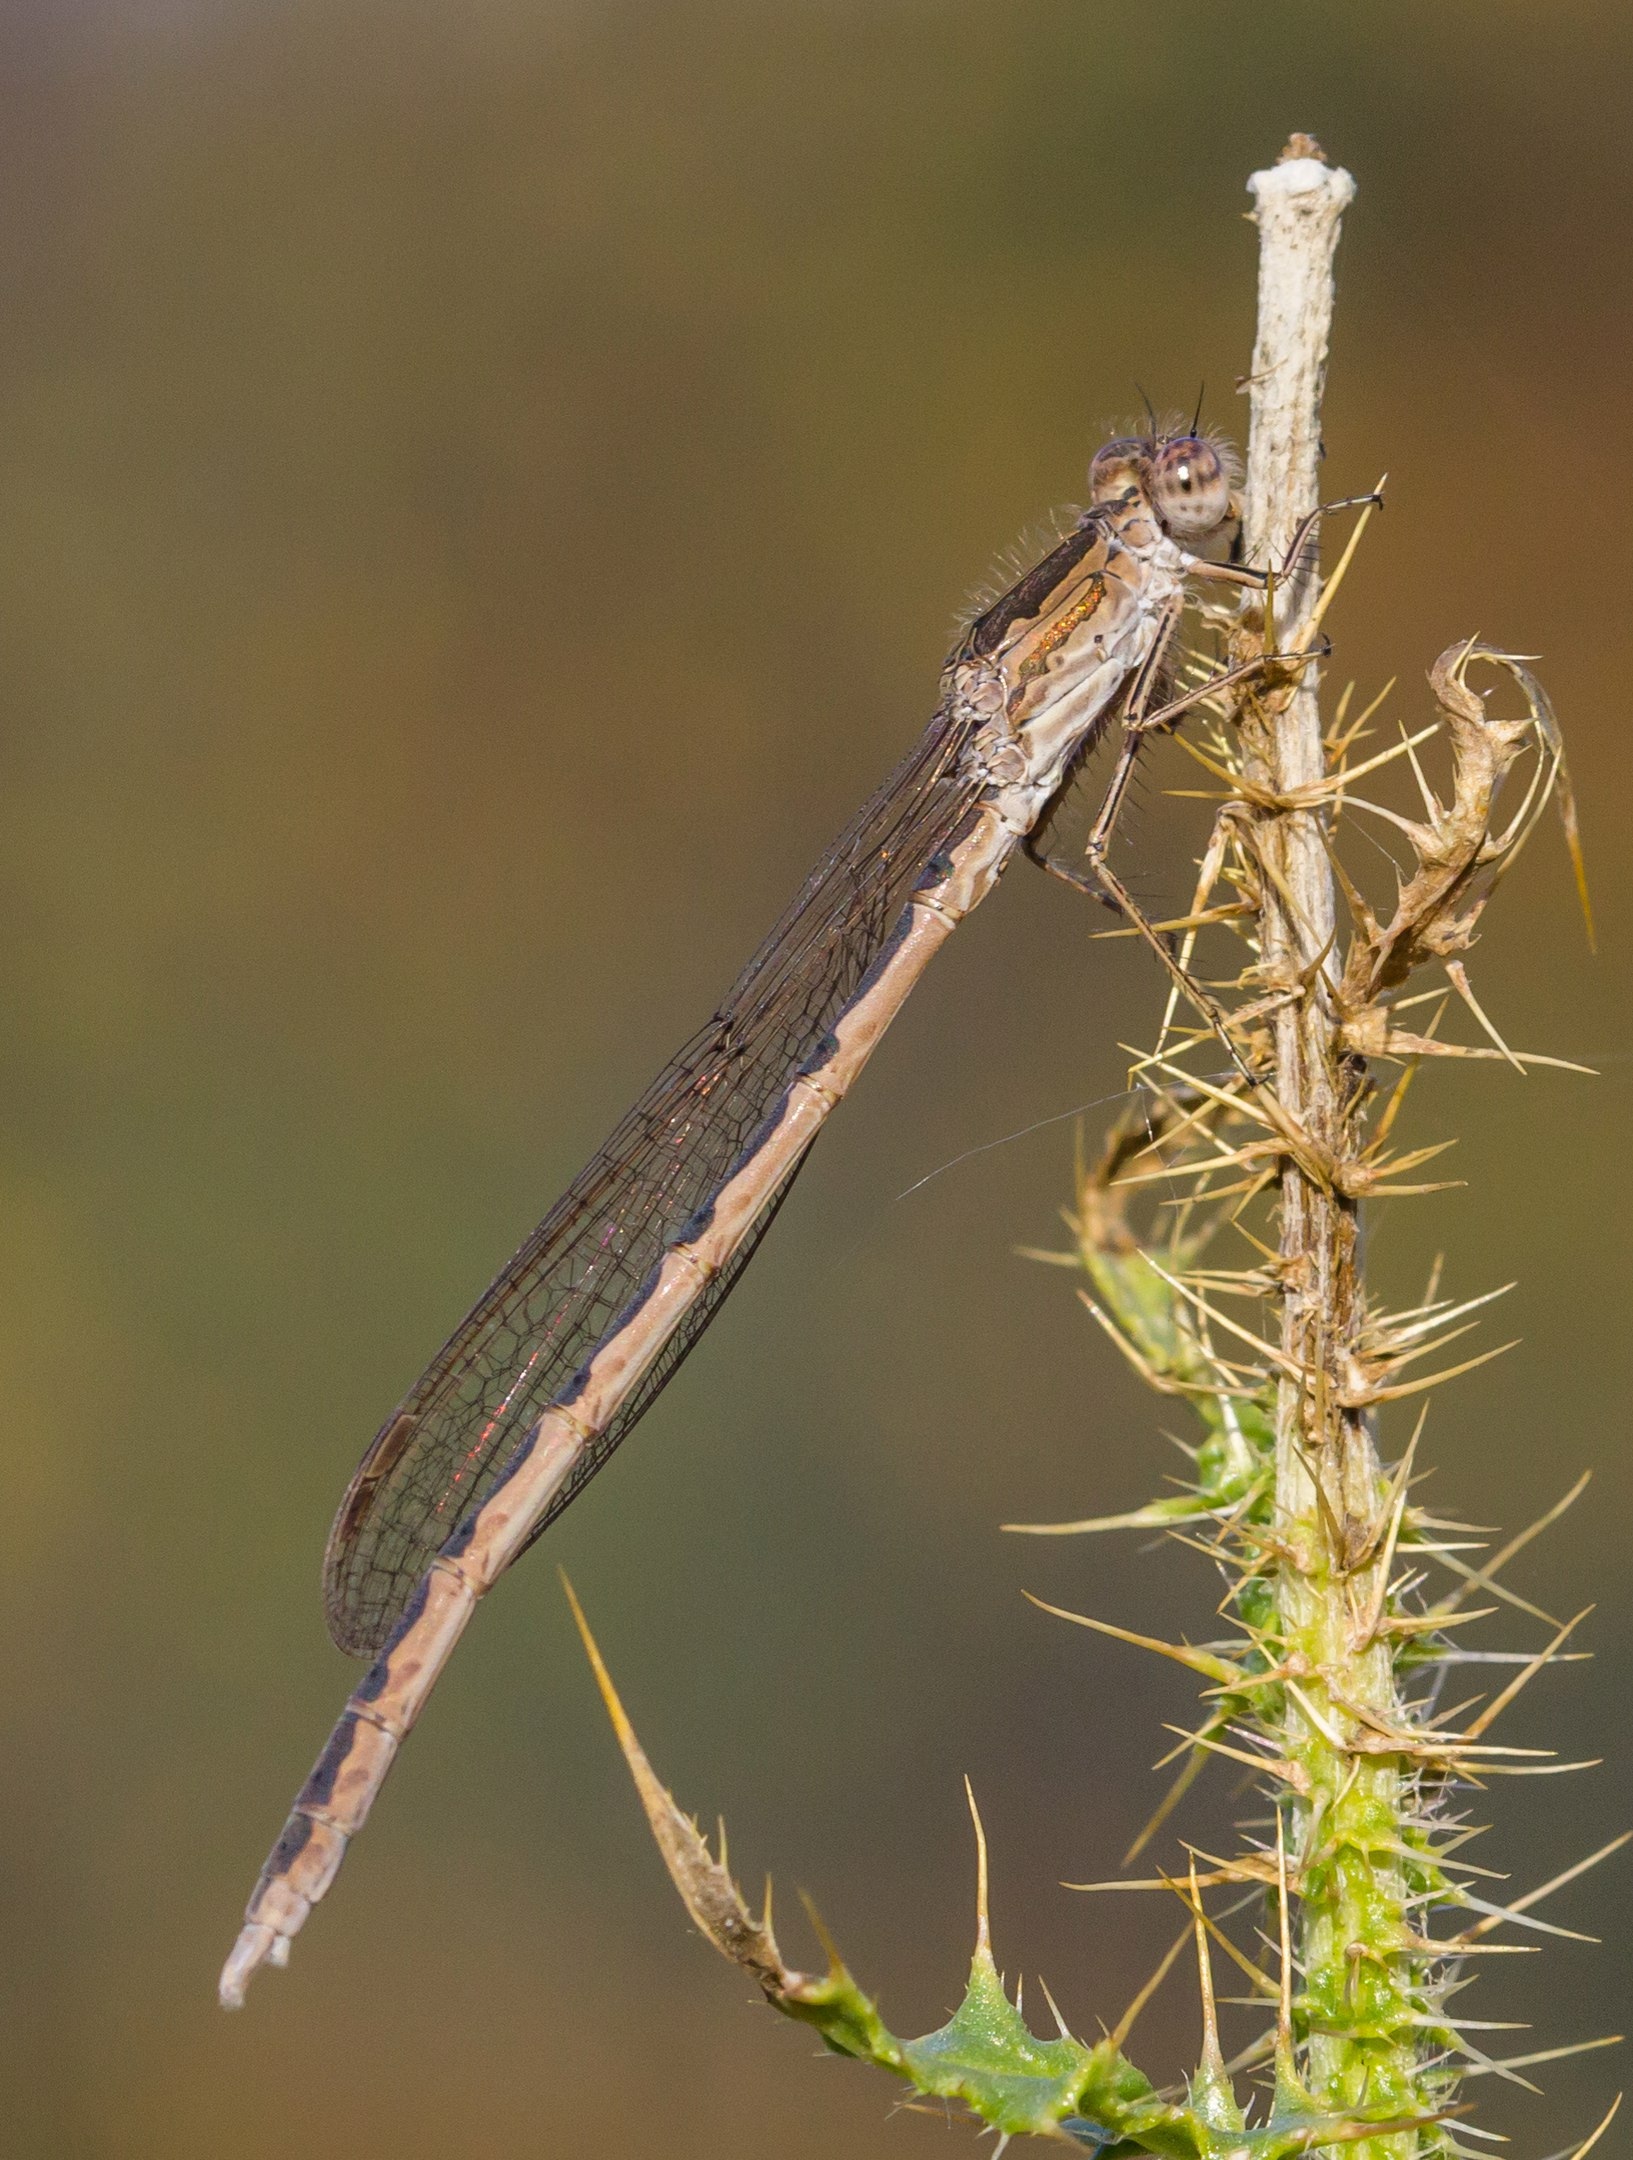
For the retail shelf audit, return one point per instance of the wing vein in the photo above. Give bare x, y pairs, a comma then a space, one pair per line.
447, 1444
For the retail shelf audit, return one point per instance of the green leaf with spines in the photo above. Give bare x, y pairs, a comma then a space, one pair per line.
987, 2058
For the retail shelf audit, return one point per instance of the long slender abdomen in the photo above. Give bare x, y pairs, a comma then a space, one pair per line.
335, 1800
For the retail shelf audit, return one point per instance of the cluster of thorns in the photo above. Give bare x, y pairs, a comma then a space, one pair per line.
1207, 1148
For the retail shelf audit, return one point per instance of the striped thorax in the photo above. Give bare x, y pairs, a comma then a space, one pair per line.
1042, 671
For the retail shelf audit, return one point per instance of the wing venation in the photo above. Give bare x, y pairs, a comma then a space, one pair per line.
447, 1444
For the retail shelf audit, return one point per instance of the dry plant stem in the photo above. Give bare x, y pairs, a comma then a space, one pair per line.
1348, 1809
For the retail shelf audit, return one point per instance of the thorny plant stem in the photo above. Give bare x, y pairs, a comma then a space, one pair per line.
1348, 1811
1288, 1496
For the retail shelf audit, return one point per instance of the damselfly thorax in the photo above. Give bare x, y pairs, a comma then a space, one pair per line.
578, 1335
1041, 673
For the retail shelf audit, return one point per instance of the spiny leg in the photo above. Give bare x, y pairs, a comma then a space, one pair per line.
1137, 723
1100, 881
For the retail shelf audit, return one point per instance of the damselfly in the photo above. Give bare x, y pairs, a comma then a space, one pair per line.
574, 1341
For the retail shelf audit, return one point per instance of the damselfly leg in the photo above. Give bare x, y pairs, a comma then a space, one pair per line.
1098, 880
1141, 718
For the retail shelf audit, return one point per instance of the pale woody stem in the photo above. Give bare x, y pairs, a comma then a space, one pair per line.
1300, 203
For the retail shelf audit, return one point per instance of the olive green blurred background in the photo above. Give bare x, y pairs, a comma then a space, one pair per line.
483, 493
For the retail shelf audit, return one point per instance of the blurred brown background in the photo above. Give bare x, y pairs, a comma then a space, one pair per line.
485, 491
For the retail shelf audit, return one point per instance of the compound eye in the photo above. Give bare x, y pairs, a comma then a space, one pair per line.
1190, 487
1119, 466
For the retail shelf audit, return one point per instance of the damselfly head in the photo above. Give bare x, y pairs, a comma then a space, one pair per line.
1191, 485
1186, 477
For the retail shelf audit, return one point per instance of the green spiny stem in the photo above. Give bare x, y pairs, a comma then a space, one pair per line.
1323, 1667
1360, 1997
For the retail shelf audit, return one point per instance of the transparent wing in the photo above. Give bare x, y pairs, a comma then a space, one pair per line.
446, 1446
